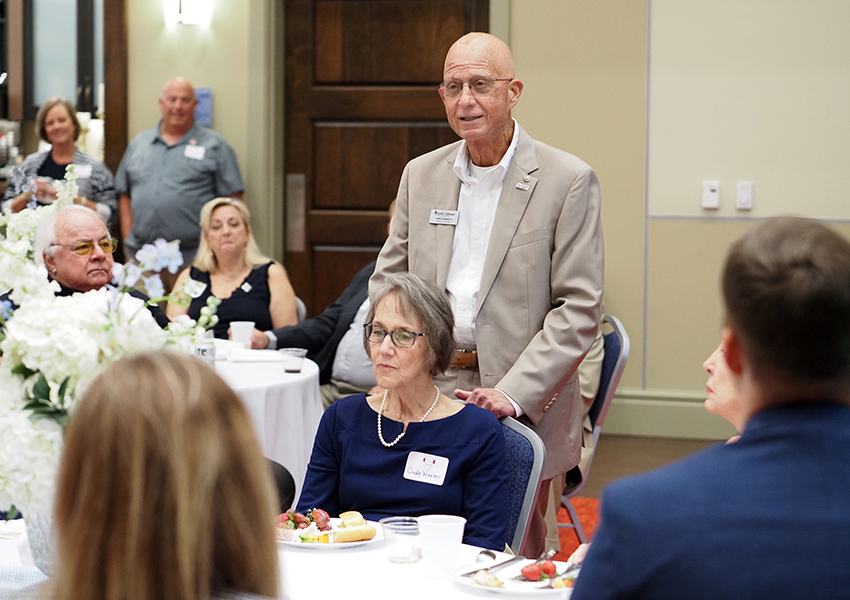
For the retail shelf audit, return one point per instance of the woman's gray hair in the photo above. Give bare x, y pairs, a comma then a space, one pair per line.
428, 303
45, 233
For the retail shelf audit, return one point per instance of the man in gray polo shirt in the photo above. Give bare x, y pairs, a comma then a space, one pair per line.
170, 171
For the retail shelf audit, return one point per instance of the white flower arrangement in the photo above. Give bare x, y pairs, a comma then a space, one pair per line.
55, 345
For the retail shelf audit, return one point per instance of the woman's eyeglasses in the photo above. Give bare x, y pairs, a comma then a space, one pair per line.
402, 338
86, 247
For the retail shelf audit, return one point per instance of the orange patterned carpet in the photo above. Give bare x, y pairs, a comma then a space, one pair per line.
587, 509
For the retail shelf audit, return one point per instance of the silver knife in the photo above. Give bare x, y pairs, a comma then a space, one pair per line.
491, 567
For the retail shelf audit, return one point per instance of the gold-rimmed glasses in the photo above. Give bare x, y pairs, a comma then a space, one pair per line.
86, 247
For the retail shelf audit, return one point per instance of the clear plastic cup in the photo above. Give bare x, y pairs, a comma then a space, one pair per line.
402, 535
293, 359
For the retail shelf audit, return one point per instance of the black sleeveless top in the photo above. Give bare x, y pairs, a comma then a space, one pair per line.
248, 302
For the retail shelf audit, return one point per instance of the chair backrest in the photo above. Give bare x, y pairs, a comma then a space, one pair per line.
613, 363
300, 309
617, 347
525, 466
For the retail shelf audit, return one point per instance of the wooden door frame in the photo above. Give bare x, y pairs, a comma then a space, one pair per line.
115, 80
306, 100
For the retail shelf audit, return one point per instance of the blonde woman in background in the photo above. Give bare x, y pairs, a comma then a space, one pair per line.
230, 266
162, 492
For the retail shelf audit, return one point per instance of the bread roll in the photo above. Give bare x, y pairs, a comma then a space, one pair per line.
352, 518
358, 533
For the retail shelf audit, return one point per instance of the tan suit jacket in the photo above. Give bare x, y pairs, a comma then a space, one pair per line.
540, 298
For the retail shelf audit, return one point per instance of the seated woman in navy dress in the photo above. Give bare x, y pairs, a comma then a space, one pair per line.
410, 450
230, 266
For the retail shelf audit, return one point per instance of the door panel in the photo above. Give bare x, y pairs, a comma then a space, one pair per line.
360, 101
384, 41
358, 158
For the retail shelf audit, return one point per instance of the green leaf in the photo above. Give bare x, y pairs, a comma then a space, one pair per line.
62, 388
41, 389
37, 405
41, 410
23, 371
13, 512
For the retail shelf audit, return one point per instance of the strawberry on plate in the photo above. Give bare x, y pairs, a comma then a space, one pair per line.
532, 572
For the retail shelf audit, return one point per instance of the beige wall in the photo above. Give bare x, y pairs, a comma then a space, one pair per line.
585, 93
750, 91
235, 56
657, 95
738, 91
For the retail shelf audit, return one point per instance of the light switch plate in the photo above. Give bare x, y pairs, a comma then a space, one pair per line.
744, 195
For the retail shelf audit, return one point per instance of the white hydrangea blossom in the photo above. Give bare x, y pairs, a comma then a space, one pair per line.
29, 453
21, 275
21, 226
52, 339
73, 337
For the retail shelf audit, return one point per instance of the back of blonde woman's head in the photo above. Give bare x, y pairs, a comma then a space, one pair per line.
162, 490
205, 259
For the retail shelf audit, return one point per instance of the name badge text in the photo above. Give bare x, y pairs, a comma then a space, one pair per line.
196, 152
427, 468
443, 217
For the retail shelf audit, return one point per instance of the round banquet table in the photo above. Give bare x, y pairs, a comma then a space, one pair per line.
284, 407
364, 573
357, 573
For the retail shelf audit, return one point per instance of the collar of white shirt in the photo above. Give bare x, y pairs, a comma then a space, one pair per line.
462, 163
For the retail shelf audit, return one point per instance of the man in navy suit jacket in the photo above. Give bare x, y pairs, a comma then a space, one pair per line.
321, 334
767, 516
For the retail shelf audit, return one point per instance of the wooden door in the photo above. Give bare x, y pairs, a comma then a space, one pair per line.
360, 101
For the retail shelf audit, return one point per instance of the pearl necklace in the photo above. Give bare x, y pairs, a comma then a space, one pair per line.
401, 435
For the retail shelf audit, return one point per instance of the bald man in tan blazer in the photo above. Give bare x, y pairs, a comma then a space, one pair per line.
539, 300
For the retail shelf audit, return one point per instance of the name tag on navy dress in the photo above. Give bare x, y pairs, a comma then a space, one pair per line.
427, 468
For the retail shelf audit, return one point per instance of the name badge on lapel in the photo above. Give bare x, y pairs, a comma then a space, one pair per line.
443, 217
82, 171
196, 152
426, 468
194, 288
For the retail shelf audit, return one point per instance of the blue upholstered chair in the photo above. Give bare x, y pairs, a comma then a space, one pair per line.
613, 363
525, 466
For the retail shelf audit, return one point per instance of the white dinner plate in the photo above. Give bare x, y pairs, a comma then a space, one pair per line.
379, 537
513, 587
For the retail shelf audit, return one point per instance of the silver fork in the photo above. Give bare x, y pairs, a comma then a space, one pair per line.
492, 567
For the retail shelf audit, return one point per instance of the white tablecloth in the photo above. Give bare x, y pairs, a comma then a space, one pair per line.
358, 573
284, 407
17, 569
364, 573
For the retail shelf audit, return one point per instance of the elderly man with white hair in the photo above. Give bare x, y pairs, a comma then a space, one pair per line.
75, 246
